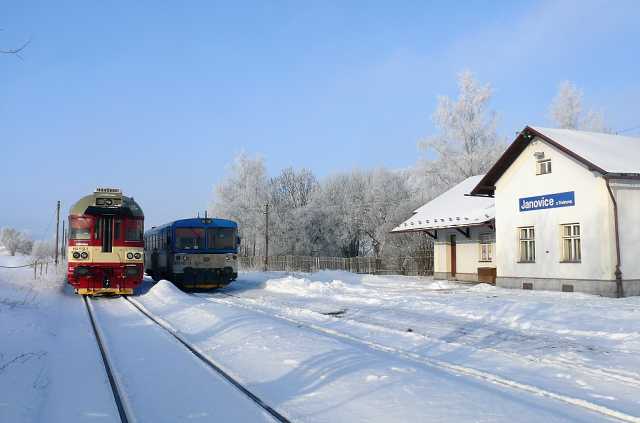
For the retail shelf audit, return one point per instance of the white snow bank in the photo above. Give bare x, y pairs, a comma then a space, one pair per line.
328, 283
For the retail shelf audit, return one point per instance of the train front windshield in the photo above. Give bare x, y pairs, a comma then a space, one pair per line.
189, 238
221, 238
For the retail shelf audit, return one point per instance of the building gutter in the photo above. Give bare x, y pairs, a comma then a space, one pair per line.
618, 273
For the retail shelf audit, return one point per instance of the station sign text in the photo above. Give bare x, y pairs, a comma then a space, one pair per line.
547, 201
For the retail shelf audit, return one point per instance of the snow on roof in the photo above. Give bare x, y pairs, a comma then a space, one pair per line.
451, 209
612, 153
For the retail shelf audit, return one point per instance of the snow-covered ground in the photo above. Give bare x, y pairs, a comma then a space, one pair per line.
50, 367
338, 346
329, 346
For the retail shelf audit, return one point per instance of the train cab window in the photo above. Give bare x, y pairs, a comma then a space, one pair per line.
189, 238
79, 228
133, 230
221, 238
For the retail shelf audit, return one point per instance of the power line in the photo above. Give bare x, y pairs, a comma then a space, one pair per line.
629, 129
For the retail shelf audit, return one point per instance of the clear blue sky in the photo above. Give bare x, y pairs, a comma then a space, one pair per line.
158, 97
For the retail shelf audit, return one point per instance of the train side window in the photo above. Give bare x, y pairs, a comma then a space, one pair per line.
79, 228
133, 230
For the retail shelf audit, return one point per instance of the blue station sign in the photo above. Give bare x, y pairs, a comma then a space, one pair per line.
547, 201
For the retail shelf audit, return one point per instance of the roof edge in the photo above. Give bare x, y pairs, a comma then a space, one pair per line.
431, 228
486, 187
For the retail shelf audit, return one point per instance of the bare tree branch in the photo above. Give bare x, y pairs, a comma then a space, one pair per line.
16, 51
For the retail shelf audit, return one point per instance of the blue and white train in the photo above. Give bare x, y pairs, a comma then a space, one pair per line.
198, 253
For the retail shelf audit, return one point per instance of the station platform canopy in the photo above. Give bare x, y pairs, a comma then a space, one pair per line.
453, 209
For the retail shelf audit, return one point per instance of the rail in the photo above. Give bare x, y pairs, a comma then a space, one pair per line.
117, 396
205, 360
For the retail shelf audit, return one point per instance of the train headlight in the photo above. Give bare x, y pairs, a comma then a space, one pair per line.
137, 256
129, 256
76, 255
84, 255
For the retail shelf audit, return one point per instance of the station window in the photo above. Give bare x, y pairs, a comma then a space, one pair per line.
486, 247
571, 249
527, 244
543, 167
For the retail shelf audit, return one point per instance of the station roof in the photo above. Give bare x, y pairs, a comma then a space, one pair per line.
454, 208
608, 154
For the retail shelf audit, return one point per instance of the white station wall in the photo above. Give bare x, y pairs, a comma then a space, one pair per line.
592, 210
467, 251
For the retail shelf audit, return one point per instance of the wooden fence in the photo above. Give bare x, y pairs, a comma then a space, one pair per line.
411, 266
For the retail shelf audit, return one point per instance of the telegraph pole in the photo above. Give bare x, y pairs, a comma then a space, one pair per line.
266, 237
57, 230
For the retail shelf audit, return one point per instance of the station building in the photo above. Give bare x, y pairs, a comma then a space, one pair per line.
463, 231
566, 215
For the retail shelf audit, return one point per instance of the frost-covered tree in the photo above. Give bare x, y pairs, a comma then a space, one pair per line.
289, 195
385, 199
337, 215
241, 196
566, 106
467, 143
566, 111
43, 249
15, 241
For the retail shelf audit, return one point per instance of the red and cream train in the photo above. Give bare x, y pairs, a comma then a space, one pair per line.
105, 249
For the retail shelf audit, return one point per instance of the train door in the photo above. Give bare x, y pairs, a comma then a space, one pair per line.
105, 234
154, 257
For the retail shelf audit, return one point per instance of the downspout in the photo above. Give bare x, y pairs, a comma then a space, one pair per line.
618, 273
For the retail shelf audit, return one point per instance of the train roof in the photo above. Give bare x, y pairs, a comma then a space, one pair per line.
197, 222
97, 203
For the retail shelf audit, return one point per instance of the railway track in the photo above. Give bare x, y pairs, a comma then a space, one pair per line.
436, 363
123, 409
209, 363
627, 379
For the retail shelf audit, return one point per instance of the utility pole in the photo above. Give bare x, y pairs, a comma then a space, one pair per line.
57, 229
266, 237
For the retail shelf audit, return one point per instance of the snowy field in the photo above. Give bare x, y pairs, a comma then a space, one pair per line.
323, 347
